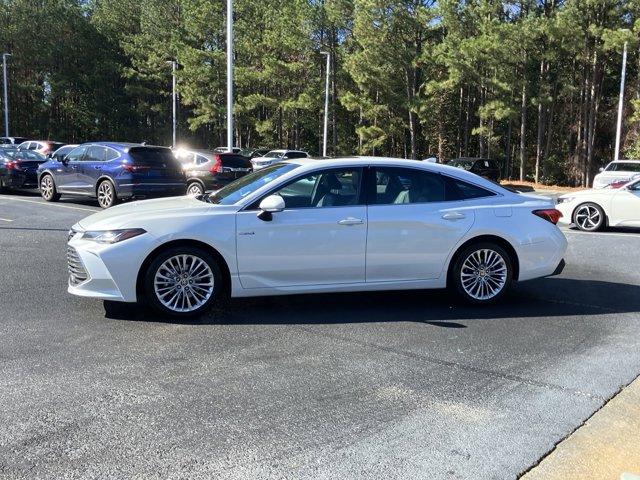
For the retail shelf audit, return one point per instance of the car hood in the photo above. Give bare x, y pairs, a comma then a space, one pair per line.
138, 214
586, 193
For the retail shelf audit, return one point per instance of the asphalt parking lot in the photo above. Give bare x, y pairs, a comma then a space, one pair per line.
380, 385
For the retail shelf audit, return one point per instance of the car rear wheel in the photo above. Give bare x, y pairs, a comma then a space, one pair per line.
195, 188
107, 194
48, 189
183, 281
589, 217
482, 273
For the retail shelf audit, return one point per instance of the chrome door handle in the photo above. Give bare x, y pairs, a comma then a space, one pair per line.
454, 216
351, 221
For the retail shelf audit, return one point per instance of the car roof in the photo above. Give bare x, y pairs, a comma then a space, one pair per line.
121, 146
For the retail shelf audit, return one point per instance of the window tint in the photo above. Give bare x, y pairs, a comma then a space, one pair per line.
76, 154
394, 186
112, 154
33, 146
152, 155
327, 188
623, 167
296, 155
95, 153
459, 190
201, 160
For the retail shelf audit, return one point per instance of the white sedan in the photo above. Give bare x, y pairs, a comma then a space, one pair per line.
591, 210
306, 226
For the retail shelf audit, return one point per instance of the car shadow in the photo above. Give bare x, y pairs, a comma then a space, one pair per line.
34, 193
629, 230
547, 297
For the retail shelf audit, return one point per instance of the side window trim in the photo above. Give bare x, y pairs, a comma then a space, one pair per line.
361, 202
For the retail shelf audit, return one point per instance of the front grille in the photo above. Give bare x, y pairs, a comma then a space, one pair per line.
77, 273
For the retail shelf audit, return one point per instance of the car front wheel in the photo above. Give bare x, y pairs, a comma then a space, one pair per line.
482, 273
107, 194
48, 189
589, 217
183, 281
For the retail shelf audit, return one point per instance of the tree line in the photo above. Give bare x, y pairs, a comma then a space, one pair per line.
531, 83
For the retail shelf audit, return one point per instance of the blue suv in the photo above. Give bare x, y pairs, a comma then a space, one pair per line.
112, 171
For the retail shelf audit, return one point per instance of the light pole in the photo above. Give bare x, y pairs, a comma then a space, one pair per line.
621, 101
6, 94
326, 106
174, 96
230, 75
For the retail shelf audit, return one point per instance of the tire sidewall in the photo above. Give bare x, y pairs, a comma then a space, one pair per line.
456, 280
594, 205
159, 259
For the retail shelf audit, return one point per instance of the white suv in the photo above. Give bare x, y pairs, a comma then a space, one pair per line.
617, 171
275, 156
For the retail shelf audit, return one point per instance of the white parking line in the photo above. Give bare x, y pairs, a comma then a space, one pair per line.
2, 197
6, 220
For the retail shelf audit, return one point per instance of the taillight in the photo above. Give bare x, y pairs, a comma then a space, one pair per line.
135, 168
549, 214
13, 165
216, 167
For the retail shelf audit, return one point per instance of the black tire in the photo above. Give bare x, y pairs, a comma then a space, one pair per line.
589, 217
195, 188
185, 287
482, 285
106, 193
47, 187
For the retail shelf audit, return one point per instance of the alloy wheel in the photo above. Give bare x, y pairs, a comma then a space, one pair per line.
105, 194
183, 283
194, 189
46, 187
588, 217
483, 274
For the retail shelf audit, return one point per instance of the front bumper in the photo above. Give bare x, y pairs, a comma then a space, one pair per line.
103, 271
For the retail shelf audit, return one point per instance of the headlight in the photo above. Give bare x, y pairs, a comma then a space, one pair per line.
565, 199
112, 236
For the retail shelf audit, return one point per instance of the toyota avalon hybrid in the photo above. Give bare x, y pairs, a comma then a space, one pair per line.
305, 226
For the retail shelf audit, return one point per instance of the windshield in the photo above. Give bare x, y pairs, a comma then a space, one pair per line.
623, 167
236, 191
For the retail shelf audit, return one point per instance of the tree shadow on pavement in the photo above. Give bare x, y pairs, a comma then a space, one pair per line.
547, 297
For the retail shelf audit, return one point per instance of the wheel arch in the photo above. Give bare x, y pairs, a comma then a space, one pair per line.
100, 180
513, 255
604, 211
226, 273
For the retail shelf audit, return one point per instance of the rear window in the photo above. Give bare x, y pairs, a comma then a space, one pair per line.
624, 167
152, 155
458, 190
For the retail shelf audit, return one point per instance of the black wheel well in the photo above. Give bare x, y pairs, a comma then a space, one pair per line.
195, 180
513, 256
226, 274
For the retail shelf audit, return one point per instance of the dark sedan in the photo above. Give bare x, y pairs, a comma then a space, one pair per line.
208, 170
484, 167
18, 168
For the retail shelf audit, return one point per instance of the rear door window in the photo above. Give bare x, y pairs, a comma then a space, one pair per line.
397, 186
95, 153
111, 154
76, 154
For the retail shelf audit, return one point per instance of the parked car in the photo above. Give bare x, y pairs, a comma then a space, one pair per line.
616, 171
44, 147
307, 226
112, 171
18, 168
591, 210
11, 140
226, 150
275, 156
254, 152
206, 170
484, 167
62, 152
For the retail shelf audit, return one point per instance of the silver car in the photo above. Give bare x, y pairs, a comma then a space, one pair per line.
275, 156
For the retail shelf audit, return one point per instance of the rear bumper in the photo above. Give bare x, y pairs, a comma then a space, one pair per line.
146, 190
559, 268
19, 180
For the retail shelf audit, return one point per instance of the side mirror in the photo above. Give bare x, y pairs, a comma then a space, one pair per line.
270, 205
601, 169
